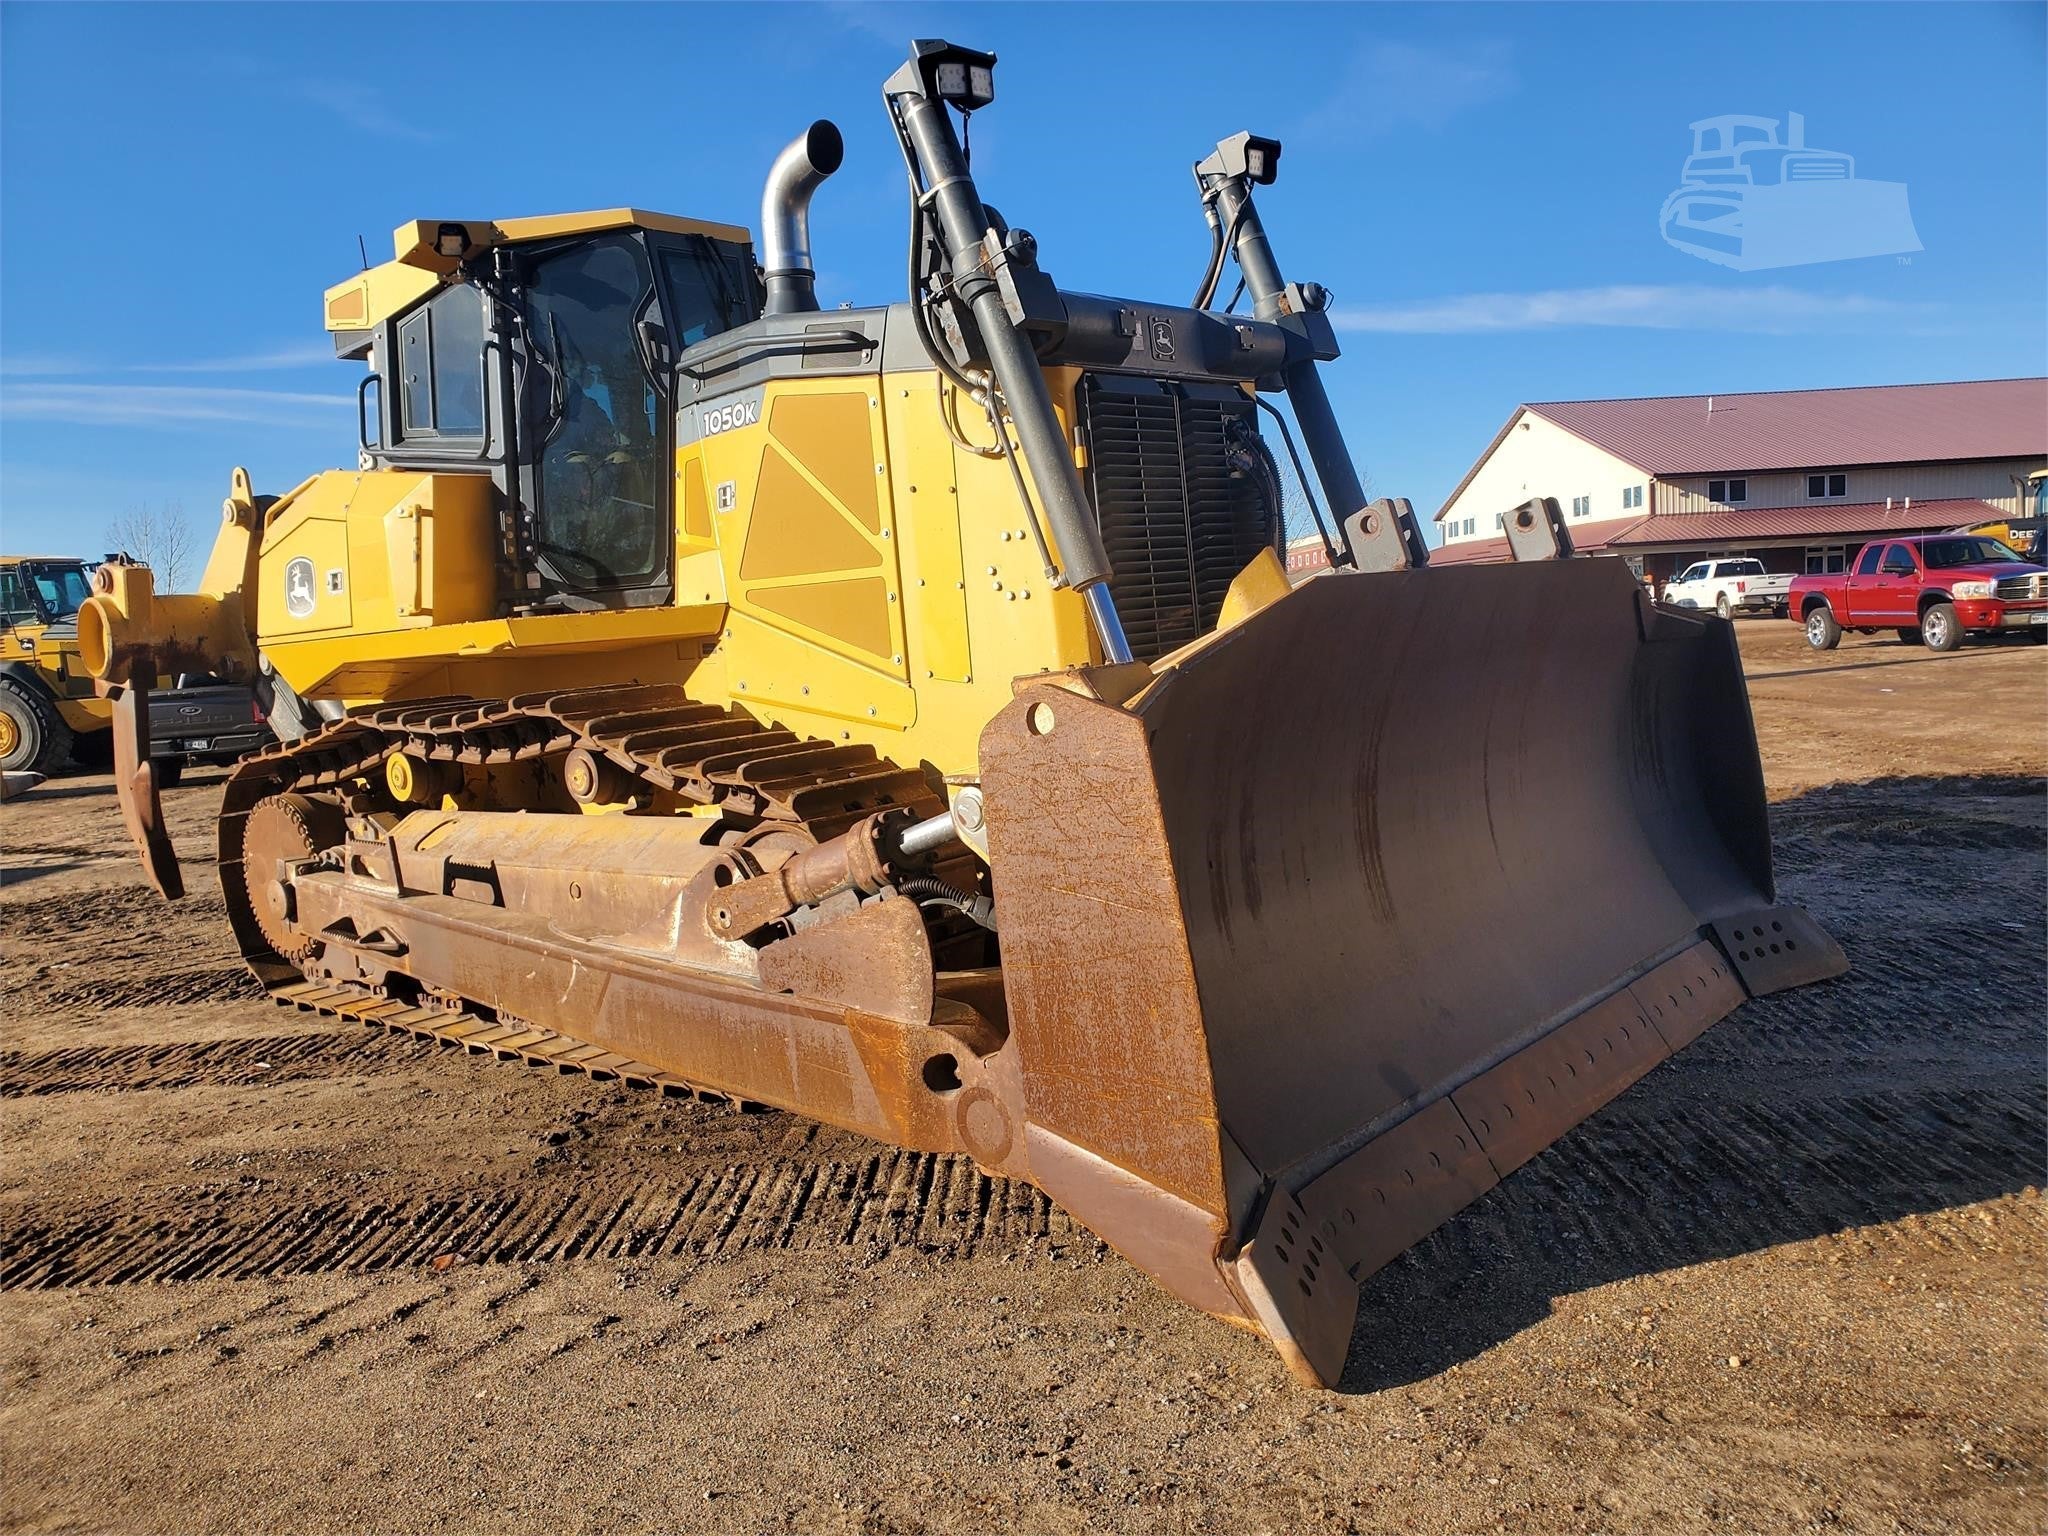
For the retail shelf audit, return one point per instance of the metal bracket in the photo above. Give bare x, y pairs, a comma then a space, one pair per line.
1536, 531
1778, 947
1384, 537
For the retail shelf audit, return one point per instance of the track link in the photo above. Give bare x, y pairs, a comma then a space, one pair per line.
478, 1035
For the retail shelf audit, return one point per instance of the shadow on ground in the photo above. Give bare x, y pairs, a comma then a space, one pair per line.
1915, 1083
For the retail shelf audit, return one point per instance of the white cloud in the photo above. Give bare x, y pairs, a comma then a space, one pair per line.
50, 365
362, 107
42, 365
1388, 84
166, 405
288, 357
1648, 306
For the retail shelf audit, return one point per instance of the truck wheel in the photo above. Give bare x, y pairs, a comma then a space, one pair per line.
1940, 627
1822, 632
1909, 637
1722, 608
33, 736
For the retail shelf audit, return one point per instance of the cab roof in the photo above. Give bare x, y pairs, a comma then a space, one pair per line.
424, 257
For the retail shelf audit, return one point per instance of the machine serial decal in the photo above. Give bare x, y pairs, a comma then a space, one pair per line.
741, 413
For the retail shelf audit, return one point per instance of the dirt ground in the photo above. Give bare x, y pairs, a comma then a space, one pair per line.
262, 1271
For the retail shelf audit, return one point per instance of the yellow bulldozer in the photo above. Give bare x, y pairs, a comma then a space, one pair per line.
901, 716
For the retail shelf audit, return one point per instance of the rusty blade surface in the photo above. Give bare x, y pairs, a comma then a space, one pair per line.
1402, 854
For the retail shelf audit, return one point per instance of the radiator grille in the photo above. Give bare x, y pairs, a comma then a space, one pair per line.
1180, 502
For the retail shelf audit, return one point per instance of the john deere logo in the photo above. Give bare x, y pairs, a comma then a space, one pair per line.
298, 588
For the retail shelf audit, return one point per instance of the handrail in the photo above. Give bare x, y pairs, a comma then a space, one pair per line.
846, 339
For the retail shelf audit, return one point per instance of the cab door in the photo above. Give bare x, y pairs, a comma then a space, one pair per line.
1864, 590
1900, 570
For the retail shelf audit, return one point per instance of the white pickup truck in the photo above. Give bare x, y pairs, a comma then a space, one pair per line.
1728, 587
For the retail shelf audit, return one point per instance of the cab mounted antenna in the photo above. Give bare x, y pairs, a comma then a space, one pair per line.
363, 251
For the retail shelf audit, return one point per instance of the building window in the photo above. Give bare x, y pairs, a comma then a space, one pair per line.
1469, 524
1500, 520
1631, 496
1582, 506
1727, 490
1826, 487
1826, 559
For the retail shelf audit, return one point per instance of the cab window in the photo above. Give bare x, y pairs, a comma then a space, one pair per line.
15, 608
1898, 561
708, 291
61, 590
1866, 563
441, 367
1692, 573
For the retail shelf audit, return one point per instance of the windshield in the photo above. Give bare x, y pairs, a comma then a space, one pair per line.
1946, 554
61, 590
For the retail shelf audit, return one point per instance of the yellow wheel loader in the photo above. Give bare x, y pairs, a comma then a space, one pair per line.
47, 700
901, 716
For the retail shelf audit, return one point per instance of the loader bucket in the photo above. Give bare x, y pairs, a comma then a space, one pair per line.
1359, 905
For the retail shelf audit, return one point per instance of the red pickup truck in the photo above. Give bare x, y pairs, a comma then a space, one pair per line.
1933, 589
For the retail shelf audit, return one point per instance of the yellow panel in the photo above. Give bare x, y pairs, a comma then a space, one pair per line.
782, 675
547, 226
696, 503
937, 619
830, 436
793, 531
855, 613
362, 301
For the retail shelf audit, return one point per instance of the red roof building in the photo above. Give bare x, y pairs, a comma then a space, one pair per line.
1798, 478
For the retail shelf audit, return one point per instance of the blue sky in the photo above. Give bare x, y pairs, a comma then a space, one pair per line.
1478, 186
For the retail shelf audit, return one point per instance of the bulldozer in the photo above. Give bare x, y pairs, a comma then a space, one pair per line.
900, 716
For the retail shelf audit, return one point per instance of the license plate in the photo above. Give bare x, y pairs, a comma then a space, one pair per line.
197, 746
2037, 618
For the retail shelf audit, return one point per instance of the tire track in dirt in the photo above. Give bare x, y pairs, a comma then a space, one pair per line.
132, 910
217, 984
888, 1200
1640, 1190
202, 1063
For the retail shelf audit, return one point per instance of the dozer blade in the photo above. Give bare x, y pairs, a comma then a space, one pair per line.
1359, 905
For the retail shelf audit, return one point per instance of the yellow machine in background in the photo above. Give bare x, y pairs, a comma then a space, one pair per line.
900, 715
47, 700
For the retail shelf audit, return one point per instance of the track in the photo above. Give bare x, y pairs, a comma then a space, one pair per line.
890, 1200
1650, 1183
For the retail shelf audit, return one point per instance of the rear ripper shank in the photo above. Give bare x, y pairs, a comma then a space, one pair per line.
901, 715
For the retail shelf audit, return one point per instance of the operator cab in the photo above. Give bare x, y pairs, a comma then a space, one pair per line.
42, 591
542, 352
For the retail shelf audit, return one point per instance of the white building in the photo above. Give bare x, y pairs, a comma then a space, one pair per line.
1797, 478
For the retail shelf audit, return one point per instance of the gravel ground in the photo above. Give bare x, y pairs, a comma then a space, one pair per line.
262, 1271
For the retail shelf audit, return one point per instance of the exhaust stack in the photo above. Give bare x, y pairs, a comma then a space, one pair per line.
798, 172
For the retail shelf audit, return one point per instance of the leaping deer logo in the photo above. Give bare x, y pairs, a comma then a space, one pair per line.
298, 588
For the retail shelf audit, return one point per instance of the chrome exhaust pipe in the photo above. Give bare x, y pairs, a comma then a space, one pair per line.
798, 172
